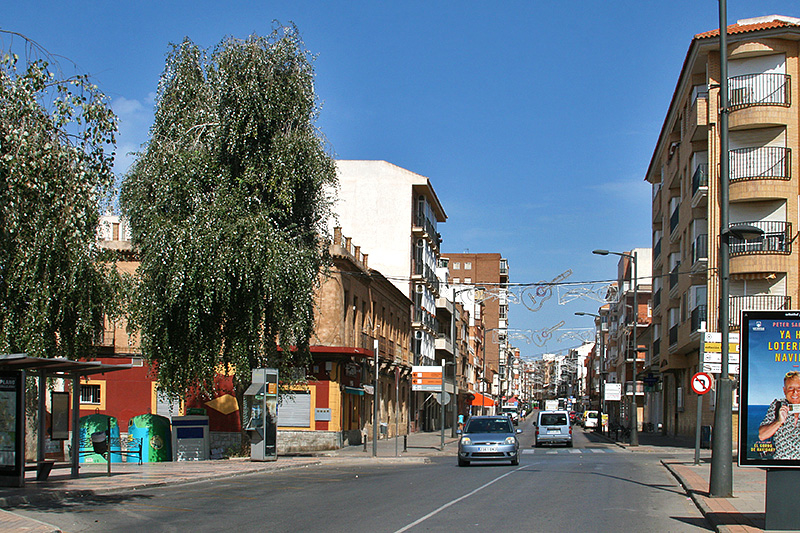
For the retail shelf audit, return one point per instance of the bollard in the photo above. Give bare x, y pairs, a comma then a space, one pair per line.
365, 442
405, 443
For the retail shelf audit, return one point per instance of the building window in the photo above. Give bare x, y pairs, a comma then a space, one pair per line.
467, 281
468, 265
456, 281
456, 265
90, 394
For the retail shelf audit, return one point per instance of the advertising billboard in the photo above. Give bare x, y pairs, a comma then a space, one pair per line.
769, 422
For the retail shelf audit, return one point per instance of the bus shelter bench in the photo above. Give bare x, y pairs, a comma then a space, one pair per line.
43, 468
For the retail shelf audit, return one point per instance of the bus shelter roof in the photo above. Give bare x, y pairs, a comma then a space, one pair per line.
57, 366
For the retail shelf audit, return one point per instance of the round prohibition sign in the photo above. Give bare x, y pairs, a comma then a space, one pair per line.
701, 383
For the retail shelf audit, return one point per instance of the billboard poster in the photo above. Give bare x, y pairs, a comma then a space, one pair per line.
769, 421
12, 428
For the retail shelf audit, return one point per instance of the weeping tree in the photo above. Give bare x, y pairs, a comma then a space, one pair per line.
228, 210
56, 156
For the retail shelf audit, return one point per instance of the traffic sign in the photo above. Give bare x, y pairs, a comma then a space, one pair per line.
701, 383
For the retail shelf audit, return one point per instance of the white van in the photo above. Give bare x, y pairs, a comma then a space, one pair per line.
590, 419
553, 427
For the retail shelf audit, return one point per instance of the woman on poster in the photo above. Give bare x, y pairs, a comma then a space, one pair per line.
781, 421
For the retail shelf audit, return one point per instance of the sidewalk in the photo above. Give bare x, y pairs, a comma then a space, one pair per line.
744, 512
94, 479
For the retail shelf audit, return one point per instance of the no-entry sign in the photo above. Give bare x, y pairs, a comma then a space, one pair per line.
701, 383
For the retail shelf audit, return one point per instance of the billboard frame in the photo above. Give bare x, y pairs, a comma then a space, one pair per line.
763, 365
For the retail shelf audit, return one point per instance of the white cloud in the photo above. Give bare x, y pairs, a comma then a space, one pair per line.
135, 118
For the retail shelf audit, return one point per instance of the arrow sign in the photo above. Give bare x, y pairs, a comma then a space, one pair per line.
701, 383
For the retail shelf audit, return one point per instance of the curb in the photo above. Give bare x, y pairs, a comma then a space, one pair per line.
696, 498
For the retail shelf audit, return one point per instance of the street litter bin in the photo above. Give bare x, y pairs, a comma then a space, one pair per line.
705, 437
99, 442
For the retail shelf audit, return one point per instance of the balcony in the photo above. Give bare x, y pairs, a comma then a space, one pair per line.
673, 280
674, 219
423, 225
767, 89
698, 319
657, 252
777, 239
699, 184
760, 302
657, 299
700, 253
760, 163
673, 335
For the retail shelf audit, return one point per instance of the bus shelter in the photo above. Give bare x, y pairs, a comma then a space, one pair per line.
13, 370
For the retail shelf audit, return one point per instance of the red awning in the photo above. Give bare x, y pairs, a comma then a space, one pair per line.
481, 400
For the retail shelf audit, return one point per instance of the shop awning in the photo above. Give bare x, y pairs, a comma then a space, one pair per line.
481, 400
354, 390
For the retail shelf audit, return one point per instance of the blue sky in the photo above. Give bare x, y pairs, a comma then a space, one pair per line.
535, 121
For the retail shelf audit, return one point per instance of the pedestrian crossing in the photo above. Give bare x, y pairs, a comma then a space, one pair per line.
541, 451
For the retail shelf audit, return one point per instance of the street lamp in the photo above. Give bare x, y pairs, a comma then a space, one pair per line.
601, 404
634, 403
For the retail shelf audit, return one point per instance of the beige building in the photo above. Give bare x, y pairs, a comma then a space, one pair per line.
763, 73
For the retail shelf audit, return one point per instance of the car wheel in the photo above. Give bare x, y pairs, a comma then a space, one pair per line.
515, 460
462, 462
569, 444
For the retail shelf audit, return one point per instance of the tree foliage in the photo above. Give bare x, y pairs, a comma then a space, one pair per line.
227, 206
56, 155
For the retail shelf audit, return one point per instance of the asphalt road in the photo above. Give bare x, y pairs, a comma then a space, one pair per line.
594, 486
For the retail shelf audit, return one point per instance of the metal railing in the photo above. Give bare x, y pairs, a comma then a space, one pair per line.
759, 89
673, 277
760, 302
700, 178
657, 299
673, 335
674, 218
700, 248
699, 315
777, 238
657, 250
762, 162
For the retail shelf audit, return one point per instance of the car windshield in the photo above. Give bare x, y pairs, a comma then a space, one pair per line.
555, 419
489, 426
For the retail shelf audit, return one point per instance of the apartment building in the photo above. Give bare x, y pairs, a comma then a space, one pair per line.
628, 315
763, 114
490, 272
394, 213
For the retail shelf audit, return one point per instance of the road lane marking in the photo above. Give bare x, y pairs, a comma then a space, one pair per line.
464, 497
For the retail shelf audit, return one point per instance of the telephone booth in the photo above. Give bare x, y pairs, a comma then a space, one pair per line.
262, 427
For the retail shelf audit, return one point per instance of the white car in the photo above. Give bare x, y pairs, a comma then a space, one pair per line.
590, 419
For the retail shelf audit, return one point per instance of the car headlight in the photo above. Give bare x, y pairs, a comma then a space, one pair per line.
465, 441
511, 440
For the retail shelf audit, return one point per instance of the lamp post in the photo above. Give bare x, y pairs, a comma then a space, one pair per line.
634, 403
601, 404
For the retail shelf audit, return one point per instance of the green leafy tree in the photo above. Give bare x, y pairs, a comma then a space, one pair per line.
56, 156
227, 208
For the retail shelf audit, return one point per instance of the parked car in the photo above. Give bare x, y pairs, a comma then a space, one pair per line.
553, 427
488, 438
590, 419
574, 416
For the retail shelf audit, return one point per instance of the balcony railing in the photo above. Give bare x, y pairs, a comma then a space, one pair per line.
673, 277
657, 299
758, 163
657, 250
777, 238
673, 335
699, 315
758, 89
700, 178
761, 302
674, 218
700, 248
